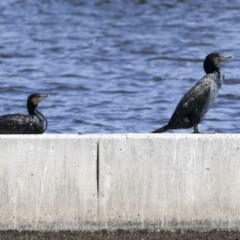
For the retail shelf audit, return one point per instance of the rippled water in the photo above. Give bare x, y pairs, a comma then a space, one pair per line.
114, 66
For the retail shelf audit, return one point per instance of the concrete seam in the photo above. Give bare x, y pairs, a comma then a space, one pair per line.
97, 178
98, 169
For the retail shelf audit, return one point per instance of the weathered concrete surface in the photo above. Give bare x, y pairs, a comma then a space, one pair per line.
145, 181
48, 183
170, 181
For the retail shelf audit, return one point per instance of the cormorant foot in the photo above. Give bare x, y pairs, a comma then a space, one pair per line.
204, 132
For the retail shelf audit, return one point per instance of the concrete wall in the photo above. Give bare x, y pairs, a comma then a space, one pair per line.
134, 181
48, 182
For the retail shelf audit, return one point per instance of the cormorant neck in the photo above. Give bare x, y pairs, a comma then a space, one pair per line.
31, 108
210, 67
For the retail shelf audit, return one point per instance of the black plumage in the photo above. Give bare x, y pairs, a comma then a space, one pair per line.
194, 105
34, 123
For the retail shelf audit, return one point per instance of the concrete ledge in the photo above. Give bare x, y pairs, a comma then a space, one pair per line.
130, 182
48, 183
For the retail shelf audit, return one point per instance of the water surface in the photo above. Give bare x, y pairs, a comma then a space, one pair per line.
116, 66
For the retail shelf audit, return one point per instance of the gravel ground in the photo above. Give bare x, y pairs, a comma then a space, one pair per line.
120, 234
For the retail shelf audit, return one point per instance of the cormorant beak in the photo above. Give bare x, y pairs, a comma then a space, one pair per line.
38, 99
223, 58
42, 97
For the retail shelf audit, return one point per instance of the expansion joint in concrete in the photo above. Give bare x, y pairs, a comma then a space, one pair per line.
97, 178
97, 175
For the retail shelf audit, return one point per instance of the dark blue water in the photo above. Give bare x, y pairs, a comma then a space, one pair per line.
116, 66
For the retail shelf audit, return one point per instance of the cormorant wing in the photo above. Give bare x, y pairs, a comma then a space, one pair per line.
13, 123
194, 98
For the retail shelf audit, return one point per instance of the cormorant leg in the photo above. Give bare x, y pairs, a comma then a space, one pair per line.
196, 130
195, 127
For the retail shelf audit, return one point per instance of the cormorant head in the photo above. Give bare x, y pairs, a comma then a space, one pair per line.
35, 99
212, 60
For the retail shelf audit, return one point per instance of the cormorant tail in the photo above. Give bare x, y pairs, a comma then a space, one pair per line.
162, 129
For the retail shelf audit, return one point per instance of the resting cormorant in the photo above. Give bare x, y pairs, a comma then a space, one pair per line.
194, 105
34, 123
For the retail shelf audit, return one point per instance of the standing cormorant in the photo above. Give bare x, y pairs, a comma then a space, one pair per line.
34, 123
194, 105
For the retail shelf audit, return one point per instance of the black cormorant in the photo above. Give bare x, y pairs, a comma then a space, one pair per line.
194, 105
34, 123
